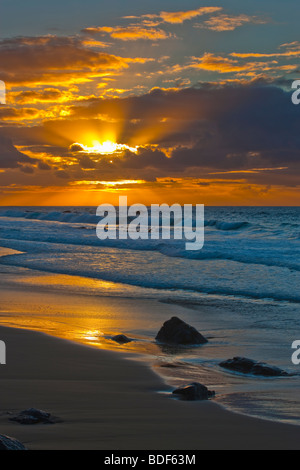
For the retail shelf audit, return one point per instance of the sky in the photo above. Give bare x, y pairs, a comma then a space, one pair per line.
162, 101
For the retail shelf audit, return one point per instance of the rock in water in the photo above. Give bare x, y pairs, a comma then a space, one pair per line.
122, 339
248, 366
194, 391
9, 443
176, 331
34, 416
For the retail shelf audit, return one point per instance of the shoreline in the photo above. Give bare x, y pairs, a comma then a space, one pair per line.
65, 310
74, 309
108, 402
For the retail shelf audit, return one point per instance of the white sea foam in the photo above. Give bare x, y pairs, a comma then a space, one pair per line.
252, 252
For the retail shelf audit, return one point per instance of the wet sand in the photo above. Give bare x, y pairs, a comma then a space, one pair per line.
111, 403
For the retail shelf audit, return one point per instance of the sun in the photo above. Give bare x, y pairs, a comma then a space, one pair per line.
105, 148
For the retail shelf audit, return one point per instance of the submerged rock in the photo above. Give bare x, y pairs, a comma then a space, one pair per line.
122, 339
9, 443
248, 366
194, 391
176, 331
34, 416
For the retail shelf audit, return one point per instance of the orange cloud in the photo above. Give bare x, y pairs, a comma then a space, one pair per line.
131, 33
22, 114
293, 51
177, 17
221, 64
48, 95
258, 55
174, 17
231, 64
147, 29
52, 53
90, 42
52, 60
229, 23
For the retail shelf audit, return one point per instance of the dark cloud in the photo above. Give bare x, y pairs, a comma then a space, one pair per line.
191, 132
217, 127
62, 174
10, 157
29, 170
76, 148
86, 163
43, 166
145, 158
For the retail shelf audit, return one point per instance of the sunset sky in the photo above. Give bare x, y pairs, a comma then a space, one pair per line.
162, 101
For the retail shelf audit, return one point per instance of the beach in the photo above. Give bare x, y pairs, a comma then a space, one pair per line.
105, 399
64, 296
107, 402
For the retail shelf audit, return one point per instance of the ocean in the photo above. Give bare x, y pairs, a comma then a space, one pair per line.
240, 290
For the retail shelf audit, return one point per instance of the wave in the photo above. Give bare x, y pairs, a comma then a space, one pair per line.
237, 241
53, 216
87, 216
271, 253
221, 225
158, 281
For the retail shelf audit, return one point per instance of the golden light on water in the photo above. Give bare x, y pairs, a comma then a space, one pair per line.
92, 335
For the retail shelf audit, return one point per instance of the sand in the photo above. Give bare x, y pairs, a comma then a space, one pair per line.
111, 403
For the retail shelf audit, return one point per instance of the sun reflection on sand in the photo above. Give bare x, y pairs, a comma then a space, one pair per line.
87, 311
67, 280
92, 335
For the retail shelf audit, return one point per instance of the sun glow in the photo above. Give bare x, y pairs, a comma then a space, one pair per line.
105, 148
106, 183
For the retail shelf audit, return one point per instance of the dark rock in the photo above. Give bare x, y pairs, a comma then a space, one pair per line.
9, 443
34, 416
194, 391
176, 331
25, 419
169, 366
248, 366
122, 339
